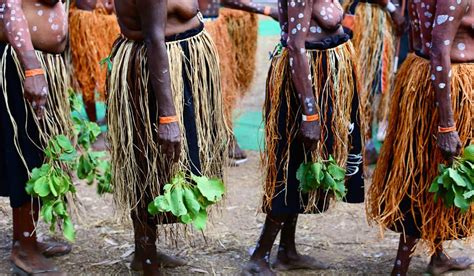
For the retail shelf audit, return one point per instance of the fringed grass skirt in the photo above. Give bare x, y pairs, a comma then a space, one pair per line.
140, 169
398, 198
243, 32
91, 34
219, 33
335, 91
22, 136
374, 41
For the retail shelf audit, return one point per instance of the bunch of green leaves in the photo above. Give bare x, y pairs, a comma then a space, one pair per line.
326, 175
188, 198
455, 183
51, 183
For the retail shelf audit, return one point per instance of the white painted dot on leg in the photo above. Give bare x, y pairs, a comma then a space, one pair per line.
148, 261
26, 234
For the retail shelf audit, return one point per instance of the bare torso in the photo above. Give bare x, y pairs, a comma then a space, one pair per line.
47, 26
326, 20
182, 16
422, 18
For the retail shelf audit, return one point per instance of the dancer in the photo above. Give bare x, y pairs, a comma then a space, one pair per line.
33, 106
431, 119
378, 23
234, 31
93, 28
311, 111
165, 111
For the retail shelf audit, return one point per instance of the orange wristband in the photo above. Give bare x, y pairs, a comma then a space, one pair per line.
34, 72
267, 10
168, 120
446, 129
310, 118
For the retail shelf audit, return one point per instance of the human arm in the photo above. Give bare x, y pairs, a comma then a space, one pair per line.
86, 5
249, 6
299, 18
16, 30
443, 34
153, 17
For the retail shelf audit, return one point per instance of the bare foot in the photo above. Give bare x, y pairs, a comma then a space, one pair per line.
51, 249
442, 263
236, 153
257, 267
298, 262
163, 261
27, 259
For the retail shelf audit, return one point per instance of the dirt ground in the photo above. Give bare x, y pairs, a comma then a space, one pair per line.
341, 237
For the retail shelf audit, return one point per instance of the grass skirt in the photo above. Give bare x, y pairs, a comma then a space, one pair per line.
218, 31
140, 169
408, 163
335, 93
243, 32
374, 41
91, 36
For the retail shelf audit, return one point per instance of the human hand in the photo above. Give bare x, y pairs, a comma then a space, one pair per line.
399, 22
310, 134
169, 137
36, 93
449, 144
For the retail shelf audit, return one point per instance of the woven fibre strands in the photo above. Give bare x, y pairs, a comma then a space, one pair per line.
409, 158
243, 32
335, 84
91, 34
218, 31
139, 166
374, 41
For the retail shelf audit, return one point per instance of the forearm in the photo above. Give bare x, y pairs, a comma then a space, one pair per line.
301, 76
248, 7
441, 81
159, 74
16, 29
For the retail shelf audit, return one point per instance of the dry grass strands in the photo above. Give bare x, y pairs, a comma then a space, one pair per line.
57, 115
374, 41
409, 158
217, 29
333, 88
243, 32
91, 34
140, 169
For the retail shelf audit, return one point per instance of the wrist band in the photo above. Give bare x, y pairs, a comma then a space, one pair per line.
168, 120
310, 118
446, 129
390, 7
34, 72
267, 10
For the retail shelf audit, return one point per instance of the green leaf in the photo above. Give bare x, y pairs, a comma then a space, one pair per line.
186, 219
337, 172
60, 208
469, 153
434, 185
328, 181
456, 178
200, 220
316, 170
191, 202
461, 203
42, 187
52, 188
65, 143
468, 195
68, 230
47, 212
211, 189
176, 203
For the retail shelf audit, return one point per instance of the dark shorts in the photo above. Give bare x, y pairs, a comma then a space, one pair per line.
13, 173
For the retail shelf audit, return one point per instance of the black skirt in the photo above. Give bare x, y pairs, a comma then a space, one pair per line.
13, 172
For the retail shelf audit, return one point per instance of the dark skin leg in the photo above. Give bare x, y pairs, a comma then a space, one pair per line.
91, 112
405, 250
259, 261
26, 255
288, 257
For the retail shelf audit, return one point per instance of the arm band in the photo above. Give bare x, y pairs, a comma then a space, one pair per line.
446, 129
310, 118
168, 120
34, 72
